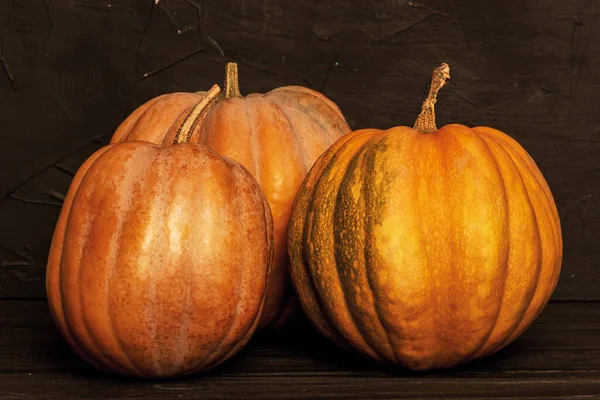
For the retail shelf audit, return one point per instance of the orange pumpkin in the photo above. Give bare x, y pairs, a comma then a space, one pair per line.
159, 262
277, 136
425, 247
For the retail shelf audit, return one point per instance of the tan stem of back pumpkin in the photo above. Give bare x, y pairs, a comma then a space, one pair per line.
425, 247
277, 136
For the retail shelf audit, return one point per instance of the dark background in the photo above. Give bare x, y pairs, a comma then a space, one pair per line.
70, 71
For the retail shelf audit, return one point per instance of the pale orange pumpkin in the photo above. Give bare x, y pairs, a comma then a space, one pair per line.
277, 136
424, 247
159, 261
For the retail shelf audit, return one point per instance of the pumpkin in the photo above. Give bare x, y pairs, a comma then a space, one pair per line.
159, 262
277, 136
425, 247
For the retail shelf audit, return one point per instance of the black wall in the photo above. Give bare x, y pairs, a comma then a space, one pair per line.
70, 71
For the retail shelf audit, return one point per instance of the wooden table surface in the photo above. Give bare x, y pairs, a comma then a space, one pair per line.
558, 358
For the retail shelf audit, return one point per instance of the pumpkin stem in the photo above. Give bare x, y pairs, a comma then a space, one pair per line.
186, 130
232, 84
425, 123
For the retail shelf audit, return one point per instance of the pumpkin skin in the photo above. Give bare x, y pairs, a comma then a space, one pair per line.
159, 262
277, 136
425, 250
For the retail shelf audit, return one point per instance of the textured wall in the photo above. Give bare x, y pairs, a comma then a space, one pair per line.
70, 71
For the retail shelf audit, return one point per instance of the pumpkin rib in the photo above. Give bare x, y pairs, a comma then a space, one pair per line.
309, 284
184, 339
118, 242
496, 317
246, 336
236, 209
63, 321
88, 339
312, 93
165, 210
292, 129
329, 121
533, 170
368, 172
454, 221
357, 156
240, 181
309, 231
540, 262
531, 212
456, 140
298, 231
408, 151
478, 351
548, 214
420, 236
346, 152
254, 145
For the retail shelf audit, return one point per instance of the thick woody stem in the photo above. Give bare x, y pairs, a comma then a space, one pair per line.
186, 130
425, 123
232, 85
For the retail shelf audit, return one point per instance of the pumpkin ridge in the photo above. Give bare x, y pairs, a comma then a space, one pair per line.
116, 253
496, 317
368, 172
254, 148
518, 175
358, 156
517, 172
236, 207
61, 308
294, 133
420, 235
171, 186
312, 93
408, 146
536, 173
345, 152
526, 158
247, 334
88, 337
308, 231
527, 304
301, 225
549, 213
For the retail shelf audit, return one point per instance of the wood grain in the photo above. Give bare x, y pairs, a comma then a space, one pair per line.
71, 71
558, 358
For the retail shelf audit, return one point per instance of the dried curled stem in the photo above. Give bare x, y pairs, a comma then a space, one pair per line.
191, 121
425, 122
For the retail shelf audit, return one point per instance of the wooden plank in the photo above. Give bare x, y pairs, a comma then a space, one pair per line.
79, 386
559, 357
71, 71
